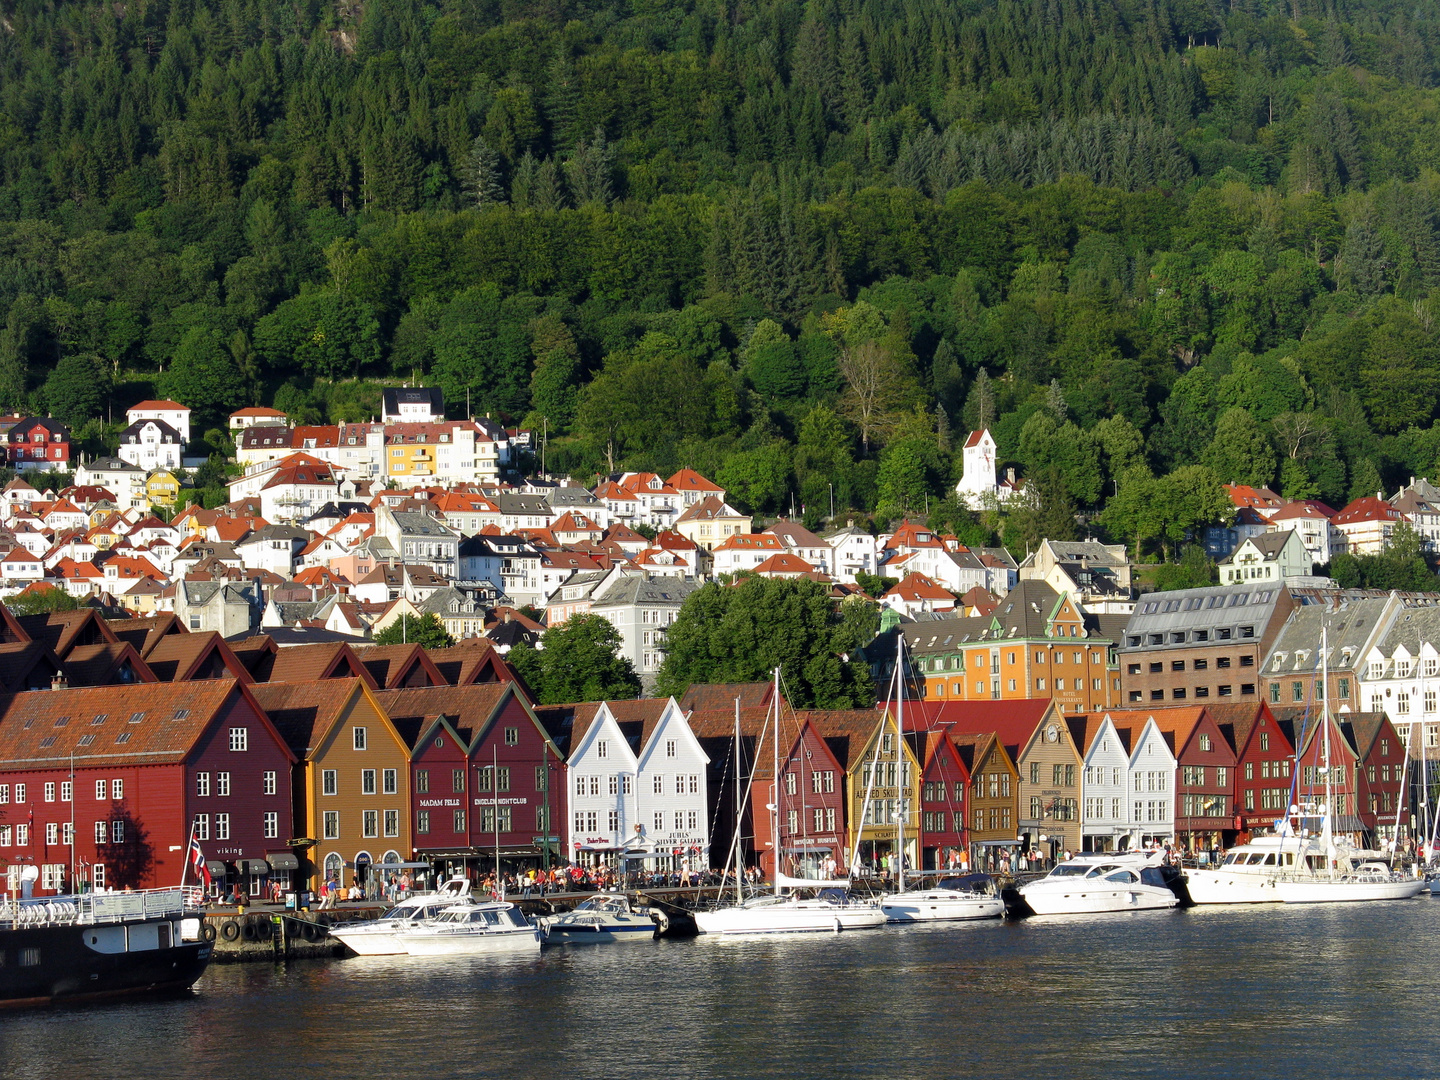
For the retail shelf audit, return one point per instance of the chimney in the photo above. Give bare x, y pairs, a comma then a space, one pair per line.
58, 681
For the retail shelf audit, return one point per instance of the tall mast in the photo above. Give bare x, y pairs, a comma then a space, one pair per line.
1328, 826
740, 806
775, 782
900, 801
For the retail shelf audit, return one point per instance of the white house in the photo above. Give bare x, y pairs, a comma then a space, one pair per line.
1270, 557
125, 480
150, 445
745, 551
604, 811
1151, 785
1106, 816
166, 411
853, 551
273, 547
637, 787
1307, 518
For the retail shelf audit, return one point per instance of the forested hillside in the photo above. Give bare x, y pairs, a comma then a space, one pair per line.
800, 247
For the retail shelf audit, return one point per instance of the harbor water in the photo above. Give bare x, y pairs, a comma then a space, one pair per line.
1332, 991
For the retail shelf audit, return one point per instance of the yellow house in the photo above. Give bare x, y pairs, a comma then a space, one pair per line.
882, 782
711, 521
162, 488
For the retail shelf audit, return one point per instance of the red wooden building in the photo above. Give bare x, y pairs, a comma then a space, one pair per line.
103, 784
812, 807
507, 774
945, 783
1204, 777
1379, 774
1264, 759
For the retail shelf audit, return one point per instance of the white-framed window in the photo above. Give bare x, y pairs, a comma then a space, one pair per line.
100, 789
222, 826
4, 794
19, 793
102, 832
239, 739
202, 784
202, 826
370, 823
358, 738
332, 825
659, 784
367, 781
659, 821
389, 782
22, 835
392, 822
50, 791
97, 876
222, 783
329, 782
117, 789
117, 831
272, 824
268, 783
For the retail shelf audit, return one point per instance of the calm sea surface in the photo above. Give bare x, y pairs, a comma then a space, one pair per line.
1273, 991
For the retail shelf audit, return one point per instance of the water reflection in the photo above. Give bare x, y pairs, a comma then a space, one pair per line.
1327, 992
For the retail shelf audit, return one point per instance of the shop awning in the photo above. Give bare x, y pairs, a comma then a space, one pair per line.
284, 860
252, 866
217, 869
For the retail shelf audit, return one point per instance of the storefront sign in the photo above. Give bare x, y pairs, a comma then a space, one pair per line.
442, 802
502, 802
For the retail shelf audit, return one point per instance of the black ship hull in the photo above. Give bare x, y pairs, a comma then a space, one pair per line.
45, 965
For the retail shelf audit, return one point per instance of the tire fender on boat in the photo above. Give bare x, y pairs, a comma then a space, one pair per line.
262, 926
207, 932
230, 930
837, 924
248, 932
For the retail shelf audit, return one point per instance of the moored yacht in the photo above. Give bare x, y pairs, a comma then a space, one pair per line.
1090, 884
381, 937
950, 898
604, 919
472, 928
830, 912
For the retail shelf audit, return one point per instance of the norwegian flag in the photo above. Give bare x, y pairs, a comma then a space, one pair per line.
197, 861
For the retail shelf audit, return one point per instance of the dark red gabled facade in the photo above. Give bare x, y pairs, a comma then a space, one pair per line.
494, 760
945, 783
1264, 760
133, 788
1379, 773
812, 807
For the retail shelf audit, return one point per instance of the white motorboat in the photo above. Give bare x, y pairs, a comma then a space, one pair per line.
790, 915
1090, 884
949, 899
472, 928
603, 919
381, 937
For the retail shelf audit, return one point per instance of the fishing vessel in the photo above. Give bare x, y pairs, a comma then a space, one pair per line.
1091, 884
603, 919
472, 928
381, 937
76, 948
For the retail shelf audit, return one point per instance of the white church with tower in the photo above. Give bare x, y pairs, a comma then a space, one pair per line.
978, 488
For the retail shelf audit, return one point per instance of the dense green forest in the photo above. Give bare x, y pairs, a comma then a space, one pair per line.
1153, 244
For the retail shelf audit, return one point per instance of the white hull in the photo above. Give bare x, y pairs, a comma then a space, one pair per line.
1219, 887
796, 918
1080, 900
457, 944
1342, 891
367, 942
925, 907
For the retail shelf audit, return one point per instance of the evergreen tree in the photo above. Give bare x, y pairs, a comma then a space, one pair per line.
483, 180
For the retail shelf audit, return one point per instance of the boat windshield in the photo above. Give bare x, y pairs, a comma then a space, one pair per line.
1070, 870
516, 919
974, 883
603, 903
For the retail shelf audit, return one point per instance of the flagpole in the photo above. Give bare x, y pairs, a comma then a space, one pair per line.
189, 843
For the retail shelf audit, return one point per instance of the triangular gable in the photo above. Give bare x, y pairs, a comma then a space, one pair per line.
511, 690
1054, 717
672, 719
438, 725
602, 725
361, 688
265, 721
886, 723
1150, 735
185, 658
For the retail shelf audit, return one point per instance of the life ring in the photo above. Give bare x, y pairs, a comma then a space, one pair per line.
230, 930
247, 931
208, 931
262, 926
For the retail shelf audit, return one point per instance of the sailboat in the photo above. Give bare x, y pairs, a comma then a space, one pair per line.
1338, 879
830, 910
952, 897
